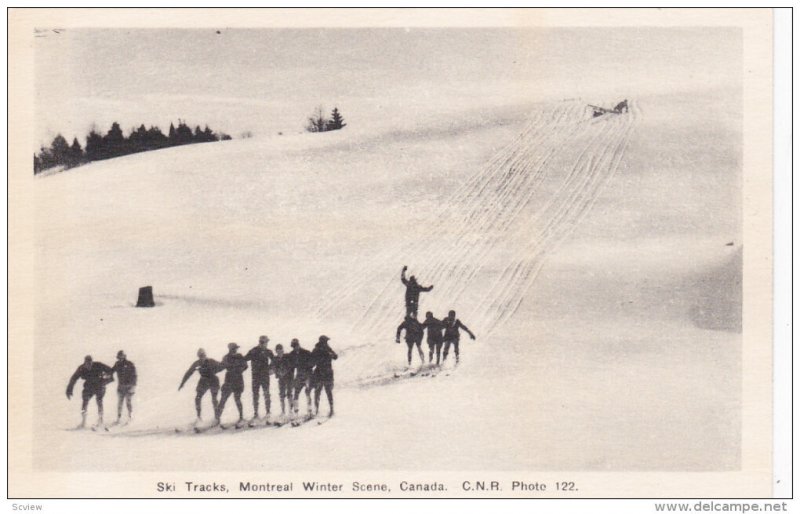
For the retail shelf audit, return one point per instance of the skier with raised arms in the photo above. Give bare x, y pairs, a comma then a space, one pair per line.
412, 292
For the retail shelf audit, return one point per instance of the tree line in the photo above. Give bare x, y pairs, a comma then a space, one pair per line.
115, 144
320, 122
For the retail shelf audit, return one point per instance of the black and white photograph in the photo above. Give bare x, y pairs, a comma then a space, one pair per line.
263, 250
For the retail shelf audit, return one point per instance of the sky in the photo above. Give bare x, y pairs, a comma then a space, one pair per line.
267, 81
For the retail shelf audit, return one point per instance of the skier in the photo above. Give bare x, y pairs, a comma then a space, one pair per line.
302, 366
412, 292
323, 357
282, 364
208, 369
261, 357
95, 376
126, 384
414, 333
235, 366
452, 334
434, 327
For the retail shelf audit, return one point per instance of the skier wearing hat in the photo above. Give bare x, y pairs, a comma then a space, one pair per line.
282, 364
261, 357
452, 325
95, 376
434, 327
323, 357
235, 366
208, 369
414, 333
302, 366
412, 292
126, 384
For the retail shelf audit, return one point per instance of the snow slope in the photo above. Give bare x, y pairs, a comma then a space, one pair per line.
588, 255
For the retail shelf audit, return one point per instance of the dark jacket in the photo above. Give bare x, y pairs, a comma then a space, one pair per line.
126, 373
413, 289
207, 368
94, 379
434, 327
413, 328
283, 366
323, 357
235, 366
302, 361
261, 359
451, 329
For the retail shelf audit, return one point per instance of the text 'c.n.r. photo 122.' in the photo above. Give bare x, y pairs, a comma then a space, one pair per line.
406, 249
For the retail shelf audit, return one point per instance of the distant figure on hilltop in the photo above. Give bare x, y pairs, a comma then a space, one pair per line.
95, 376
622, 106
414, 333
412, 292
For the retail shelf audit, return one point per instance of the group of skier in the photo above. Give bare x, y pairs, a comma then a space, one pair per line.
446, 331
297, 371
96, 376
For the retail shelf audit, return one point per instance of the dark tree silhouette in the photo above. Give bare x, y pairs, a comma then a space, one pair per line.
115, 144
59, 150
336, 122
317, 122
75, 156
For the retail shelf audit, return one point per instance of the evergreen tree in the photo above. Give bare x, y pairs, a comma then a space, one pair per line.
137, 141
115, 141
95, 146
59, 150
173, 137
183, 134
336, 122
75, 154
155, 139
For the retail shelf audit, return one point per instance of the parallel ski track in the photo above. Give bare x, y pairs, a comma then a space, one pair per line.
501, 207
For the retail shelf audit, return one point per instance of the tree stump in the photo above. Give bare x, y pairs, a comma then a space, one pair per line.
145, 297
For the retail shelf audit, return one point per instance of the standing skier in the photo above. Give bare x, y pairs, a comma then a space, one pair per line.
282, 364
126, 384
235, 366
208, 369
434, 327
302, 366
452, 334
412, 292
323, 357
95, 376
261, 357
414, 333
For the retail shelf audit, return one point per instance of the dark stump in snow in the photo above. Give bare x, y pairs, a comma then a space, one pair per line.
145, 297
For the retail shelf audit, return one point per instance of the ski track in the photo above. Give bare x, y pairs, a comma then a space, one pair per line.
490, 212
503, 207
504, 216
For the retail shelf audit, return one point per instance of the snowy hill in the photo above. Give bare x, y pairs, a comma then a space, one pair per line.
587, 254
